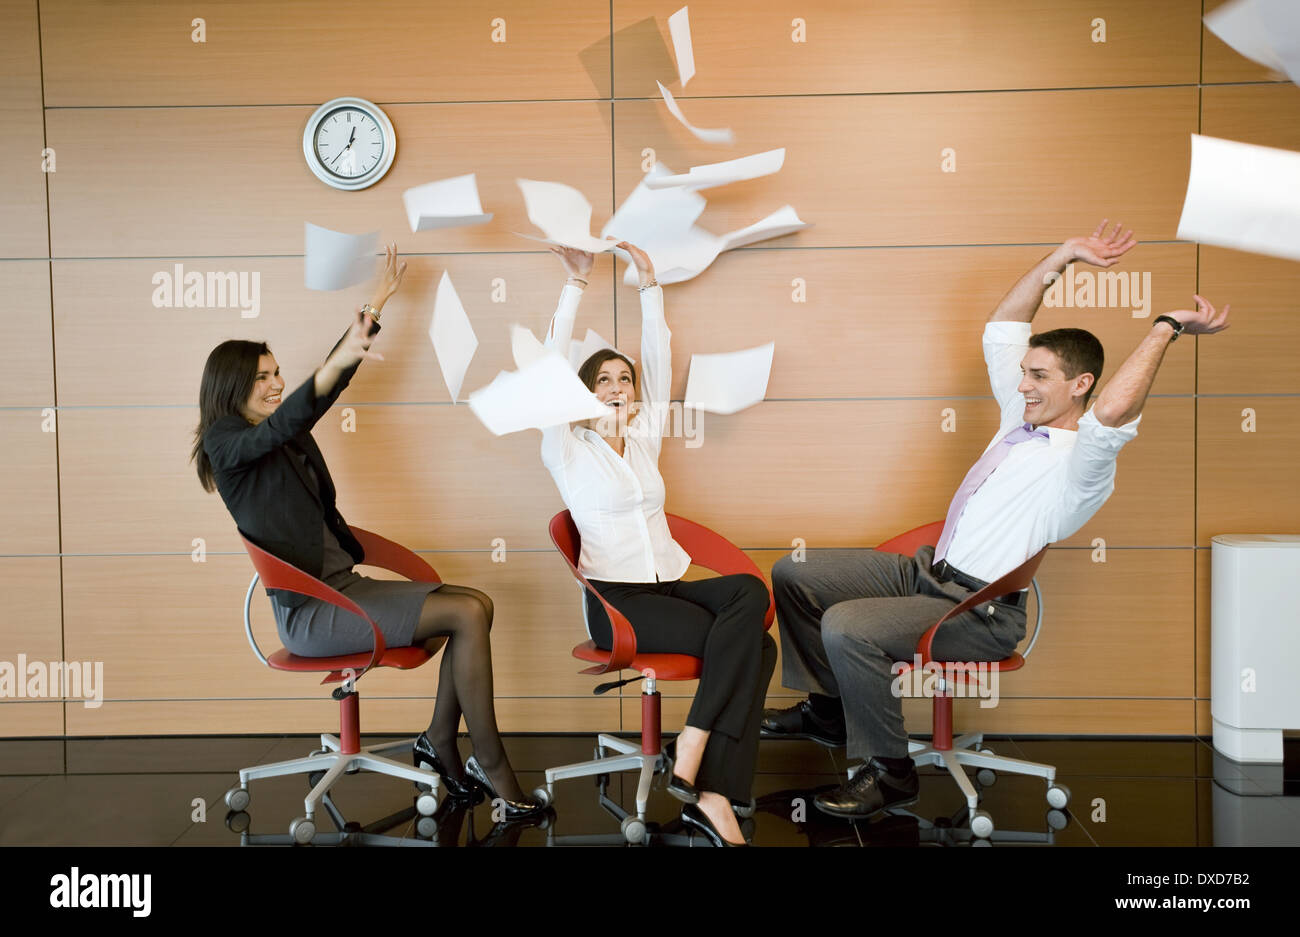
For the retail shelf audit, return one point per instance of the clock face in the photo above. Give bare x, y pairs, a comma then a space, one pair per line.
349, 143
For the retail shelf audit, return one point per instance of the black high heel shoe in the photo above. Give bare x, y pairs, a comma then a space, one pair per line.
694, 816
423, 753
514, 809
680, 788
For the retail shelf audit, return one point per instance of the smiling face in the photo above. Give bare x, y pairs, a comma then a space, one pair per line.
1051, 399
615, 386
267, 388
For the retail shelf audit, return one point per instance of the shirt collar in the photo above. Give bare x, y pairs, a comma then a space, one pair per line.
1061, 437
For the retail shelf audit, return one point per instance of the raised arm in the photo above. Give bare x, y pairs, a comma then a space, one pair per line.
557, 440
1022, 301
656, 349
1121, 400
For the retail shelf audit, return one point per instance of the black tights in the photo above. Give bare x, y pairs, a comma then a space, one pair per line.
463, 617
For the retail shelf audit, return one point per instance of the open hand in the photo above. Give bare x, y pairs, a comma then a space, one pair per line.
576, 263
390, 279
1100, 249
644, 266
1204, 320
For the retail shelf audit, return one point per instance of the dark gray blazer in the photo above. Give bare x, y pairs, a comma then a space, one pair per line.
267, 490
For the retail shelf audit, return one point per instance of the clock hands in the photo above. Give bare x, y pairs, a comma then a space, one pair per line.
351, 140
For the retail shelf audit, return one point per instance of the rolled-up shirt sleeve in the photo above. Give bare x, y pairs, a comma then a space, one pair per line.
1005, 344
1090, 475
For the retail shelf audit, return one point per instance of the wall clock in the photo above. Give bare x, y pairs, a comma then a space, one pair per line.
349, 143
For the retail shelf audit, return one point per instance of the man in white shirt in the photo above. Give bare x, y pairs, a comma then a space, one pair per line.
847, 615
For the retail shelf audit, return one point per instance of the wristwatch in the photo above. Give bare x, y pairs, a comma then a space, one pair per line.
373, 313
1174, 323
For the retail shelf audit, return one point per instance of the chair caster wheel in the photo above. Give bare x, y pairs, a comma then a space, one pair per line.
986, 751
981, 842
426, 827
543, 796
986, 777
1057, 820
237, 798
745, 811
352, 768
315, 778
1058, 795
426, 804
318, 752
981, 824
237, 821
302, 831
633, 830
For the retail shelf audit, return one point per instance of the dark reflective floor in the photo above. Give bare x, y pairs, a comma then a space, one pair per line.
1125, 792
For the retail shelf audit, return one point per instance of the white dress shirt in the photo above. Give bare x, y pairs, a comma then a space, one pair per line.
1045, 489
617, 502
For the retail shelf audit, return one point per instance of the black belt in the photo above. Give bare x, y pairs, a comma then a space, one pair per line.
946, 572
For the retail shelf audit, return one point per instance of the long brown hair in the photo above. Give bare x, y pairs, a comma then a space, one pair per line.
228, 379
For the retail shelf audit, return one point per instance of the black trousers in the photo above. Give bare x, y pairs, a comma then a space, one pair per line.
719, 620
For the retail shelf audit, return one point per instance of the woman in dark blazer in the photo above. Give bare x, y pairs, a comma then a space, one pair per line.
257, 451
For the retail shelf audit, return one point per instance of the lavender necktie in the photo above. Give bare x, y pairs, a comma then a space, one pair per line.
977, 475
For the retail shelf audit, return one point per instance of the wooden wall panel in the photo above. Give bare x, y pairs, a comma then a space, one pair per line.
1257, 353
876, 323
27, 379
101, 318
209, 190
1245, 481
923, 45
1266, 115
902, 265
392, 50
1026, 170
30, 624
29, 494
22, 186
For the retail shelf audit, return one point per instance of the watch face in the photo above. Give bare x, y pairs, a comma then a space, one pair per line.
349, 143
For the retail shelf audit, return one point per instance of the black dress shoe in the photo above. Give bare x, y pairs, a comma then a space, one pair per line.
423, 753
513, 809
799, 722
692, 815
872, 790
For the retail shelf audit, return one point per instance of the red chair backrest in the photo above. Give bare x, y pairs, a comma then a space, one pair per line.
914, 539
275, 573
705, 547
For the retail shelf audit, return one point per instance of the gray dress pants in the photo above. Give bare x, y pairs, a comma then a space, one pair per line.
846, 615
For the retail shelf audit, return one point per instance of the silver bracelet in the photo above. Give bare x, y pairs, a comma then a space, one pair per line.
653, 283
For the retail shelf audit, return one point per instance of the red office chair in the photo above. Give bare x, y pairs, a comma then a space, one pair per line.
968, 749
707, 549
343, 753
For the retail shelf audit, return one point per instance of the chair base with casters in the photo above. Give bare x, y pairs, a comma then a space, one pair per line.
968, 750
707, 549
343, 753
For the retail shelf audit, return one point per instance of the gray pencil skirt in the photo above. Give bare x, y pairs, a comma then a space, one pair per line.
319, 629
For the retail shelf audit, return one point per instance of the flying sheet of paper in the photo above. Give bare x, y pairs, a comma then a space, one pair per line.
721, 135
447, 203
1243, 196
679, 27
1282, 23
454, 341
580, 351
781, 222
650, 215
545, 393
724, 173
563, 213
731, 381
333, 260
1252, 28
524, 346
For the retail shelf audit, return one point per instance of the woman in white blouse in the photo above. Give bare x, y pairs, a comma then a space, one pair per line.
608, 475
